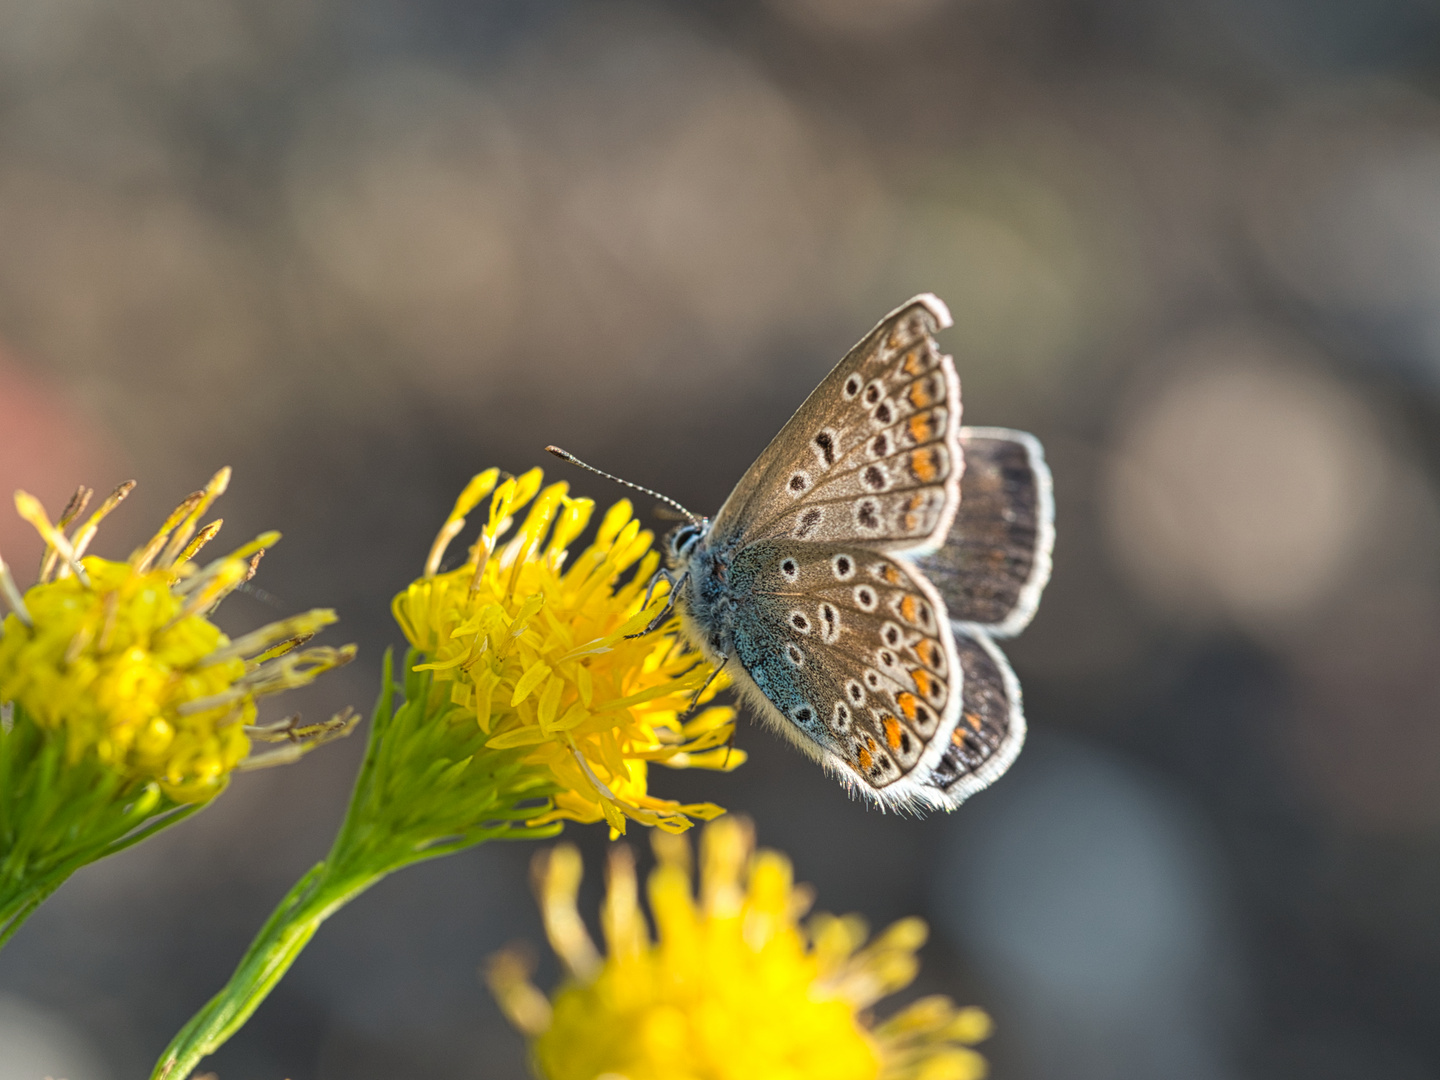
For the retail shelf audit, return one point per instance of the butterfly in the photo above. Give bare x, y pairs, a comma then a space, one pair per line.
854, 583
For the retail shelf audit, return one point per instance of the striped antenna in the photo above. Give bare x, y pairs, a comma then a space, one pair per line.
565, 455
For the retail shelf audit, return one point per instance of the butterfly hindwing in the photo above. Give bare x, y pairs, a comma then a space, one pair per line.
996, 560
991, 727
853, 653
872, 456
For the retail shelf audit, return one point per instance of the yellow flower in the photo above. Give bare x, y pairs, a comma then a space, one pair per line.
121, 659
536, 647
734, 987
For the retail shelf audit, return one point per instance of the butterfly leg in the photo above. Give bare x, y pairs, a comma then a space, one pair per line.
665, 612
706, 686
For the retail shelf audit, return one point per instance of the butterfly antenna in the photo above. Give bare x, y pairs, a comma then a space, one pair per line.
565, 455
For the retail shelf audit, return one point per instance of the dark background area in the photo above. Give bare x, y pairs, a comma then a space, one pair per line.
361, 251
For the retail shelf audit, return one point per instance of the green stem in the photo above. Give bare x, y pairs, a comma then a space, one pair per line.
17, 905
314, 898
400, 813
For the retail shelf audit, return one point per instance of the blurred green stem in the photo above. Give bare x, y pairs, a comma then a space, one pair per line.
314, 898
428, 787
58, 815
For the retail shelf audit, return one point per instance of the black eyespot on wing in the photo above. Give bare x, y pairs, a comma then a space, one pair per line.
789, 569
797, 657
880, 445
843, 566
873, 393
797, 482
874, 477
852, 386
883, 414
803, 714
866, 514
892, 634
800, 622
808, 521
826, 442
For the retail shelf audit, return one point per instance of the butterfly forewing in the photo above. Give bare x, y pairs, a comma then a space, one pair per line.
854, 649
872, 456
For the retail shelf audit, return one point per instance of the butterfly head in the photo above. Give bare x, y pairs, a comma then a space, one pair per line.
684, 539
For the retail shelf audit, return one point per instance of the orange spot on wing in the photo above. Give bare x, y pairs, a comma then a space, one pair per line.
924, 682
907, 703
922, 427
920, 394
892, 732
925, 464
909, 609
914, 363
972, 720
928, 652
865, 760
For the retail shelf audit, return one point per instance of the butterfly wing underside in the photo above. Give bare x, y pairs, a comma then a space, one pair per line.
995, 562
845, 643
855, 660
872, 456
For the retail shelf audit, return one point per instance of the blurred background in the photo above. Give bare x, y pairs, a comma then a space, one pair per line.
360, 251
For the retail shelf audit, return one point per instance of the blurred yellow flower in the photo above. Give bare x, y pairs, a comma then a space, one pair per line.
733, 987
122, 660
537, 650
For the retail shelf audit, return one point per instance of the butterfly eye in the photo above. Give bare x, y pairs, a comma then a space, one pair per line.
683, 539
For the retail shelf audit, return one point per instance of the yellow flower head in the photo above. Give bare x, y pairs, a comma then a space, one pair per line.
733, 987
536, 646
121, 659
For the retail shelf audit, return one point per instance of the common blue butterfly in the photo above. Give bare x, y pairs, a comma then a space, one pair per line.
854, 582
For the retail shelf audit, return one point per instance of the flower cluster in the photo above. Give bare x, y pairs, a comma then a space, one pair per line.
121, 659
543, 651
733, 986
